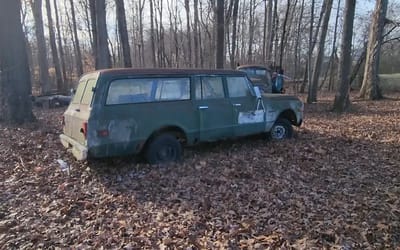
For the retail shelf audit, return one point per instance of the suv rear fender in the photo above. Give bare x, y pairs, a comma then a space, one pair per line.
176, 131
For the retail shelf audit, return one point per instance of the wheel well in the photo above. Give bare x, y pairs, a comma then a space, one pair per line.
289, 115
174, 130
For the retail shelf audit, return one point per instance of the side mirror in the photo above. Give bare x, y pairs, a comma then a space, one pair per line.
257, 92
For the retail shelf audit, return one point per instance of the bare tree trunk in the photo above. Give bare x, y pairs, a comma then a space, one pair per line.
370, 87
310, 46
15, 81
189, 36
334, 49
251, 31
42, 55
60, 46
313, 88
78, 55
103, 54
220, 35
92, 7
342, 99
234, 33
298, 41
54, 54
274, 36
123, 33
152, 35
196, 33
284, 33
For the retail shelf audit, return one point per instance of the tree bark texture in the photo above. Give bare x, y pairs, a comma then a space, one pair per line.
342, 99
370, 87
123, 33
15, 81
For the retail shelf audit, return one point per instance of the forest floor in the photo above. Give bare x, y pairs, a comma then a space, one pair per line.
335, 185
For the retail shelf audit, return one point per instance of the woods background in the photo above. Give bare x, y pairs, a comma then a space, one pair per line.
64, 39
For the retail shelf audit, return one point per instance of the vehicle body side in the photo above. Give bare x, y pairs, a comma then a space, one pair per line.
105, 130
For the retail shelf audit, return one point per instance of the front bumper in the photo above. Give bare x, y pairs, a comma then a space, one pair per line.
78, 150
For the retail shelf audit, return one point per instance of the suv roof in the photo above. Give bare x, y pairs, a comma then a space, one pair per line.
169, 71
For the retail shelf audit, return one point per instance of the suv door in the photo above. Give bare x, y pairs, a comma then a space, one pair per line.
249, 114
214, 109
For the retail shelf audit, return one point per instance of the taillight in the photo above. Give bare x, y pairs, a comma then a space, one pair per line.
84, 129
102, 133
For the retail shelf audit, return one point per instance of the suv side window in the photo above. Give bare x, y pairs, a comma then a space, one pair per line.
238, 86
88, 94
209, 87
79, 92
140, 90
173, 89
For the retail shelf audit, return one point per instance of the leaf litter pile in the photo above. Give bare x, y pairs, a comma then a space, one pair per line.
336, 185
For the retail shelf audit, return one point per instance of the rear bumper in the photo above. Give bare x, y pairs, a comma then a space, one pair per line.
78, 150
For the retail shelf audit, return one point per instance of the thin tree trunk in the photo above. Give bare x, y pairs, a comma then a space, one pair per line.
298, 41
189, 36
15, 81
220, 35
370, 87
274, 36
334, 49
251, 31
123, 33
78, 55
92, 7
342, 99
310, 46
60, 46
313, 88
152, 35
268, 45
284, 34
41, 42
54, 54
196, 33
234, 33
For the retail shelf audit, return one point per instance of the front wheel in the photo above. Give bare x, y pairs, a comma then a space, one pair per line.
163, 149
282, 129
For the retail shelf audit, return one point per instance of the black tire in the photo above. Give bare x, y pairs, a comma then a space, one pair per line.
282, 129
162, 149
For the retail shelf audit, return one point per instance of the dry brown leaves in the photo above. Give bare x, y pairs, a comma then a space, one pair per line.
337, 185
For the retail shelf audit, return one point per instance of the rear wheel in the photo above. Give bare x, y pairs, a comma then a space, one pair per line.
282, 129
163, 149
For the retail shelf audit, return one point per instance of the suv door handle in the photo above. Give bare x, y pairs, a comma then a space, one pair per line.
203, 107
237, 104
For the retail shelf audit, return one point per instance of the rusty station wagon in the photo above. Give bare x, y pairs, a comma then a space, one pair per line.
155, 112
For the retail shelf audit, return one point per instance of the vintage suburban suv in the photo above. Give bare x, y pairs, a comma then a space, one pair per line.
119, 112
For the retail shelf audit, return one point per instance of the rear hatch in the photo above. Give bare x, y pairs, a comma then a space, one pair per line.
77, 115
